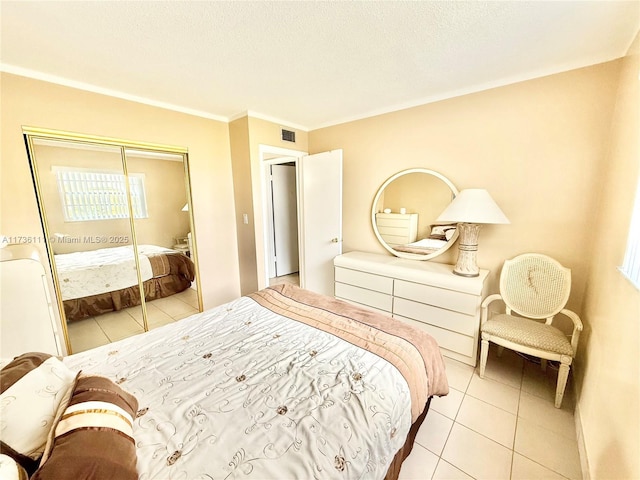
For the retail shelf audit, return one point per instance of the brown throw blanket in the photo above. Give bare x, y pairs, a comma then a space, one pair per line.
159, 265
172, 263
413, 352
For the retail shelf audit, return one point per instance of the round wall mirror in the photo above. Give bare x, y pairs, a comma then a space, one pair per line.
404, 213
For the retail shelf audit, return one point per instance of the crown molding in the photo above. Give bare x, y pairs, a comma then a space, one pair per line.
45, 77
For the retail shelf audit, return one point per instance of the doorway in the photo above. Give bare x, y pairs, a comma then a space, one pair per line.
274, 156
282, 222
319, 215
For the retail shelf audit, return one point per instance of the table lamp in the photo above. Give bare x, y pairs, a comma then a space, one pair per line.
470, 209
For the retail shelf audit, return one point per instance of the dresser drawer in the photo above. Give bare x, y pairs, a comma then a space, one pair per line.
377, 300
446, 339
447, 319
438, 297
399, 231
402, 222
364, 280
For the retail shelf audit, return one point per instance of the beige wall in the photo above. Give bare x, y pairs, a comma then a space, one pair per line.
241, 159
247, 134
609, 400
165, 196
47, 157
546, 151
536, 146
40, 104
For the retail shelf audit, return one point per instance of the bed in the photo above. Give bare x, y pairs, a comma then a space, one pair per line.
280, 384
424, 246
437, 239
104, 280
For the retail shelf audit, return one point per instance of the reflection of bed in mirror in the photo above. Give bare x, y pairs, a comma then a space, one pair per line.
438, 238
104, 280
421, 195
107, 194
421, 247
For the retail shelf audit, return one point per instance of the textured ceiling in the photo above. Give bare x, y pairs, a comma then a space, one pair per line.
306, 64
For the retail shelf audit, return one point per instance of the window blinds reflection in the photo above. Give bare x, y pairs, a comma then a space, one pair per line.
90, 195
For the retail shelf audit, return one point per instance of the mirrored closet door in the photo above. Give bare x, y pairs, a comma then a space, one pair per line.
119, 233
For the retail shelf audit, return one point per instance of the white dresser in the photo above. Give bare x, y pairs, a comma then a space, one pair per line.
425, 294
397, 228
28, 323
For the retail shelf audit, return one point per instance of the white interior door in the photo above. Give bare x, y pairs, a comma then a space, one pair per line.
320, 178
285, 218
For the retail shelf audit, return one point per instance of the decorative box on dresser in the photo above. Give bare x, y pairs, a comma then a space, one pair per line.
425, 294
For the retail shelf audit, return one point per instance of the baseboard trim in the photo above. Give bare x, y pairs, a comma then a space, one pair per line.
582, 450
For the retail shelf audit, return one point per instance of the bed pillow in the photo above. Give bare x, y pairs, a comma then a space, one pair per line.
10, 469
439, 232
93, 438
33, 387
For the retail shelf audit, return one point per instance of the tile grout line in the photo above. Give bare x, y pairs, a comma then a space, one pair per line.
440, 459
521, 377
102, 330
512, 451
515, 430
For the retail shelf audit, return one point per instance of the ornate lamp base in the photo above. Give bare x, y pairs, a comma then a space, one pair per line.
467, 248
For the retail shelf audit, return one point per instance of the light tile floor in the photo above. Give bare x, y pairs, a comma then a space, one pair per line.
501, 427
293, 279
110, 327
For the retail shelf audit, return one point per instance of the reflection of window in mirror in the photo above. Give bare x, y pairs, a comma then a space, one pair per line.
88, 194
76, 212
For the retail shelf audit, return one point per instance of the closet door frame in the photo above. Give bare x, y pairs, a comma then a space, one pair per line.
32, 134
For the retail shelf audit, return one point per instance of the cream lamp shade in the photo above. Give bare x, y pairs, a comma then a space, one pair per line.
470, 209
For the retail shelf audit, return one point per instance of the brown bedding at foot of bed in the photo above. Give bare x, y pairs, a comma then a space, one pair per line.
394, 469
413, 352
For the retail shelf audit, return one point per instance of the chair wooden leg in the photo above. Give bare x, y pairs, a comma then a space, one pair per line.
543, 364
563, 374
484, 353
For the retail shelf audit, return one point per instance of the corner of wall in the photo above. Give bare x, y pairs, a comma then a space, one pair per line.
582, 449
243, 204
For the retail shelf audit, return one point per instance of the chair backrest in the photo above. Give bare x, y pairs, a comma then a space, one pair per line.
534, 285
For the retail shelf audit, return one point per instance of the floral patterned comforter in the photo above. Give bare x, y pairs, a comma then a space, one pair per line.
241, 392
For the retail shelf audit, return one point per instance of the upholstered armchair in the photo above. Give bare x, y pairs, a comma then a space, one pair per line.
534, 288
